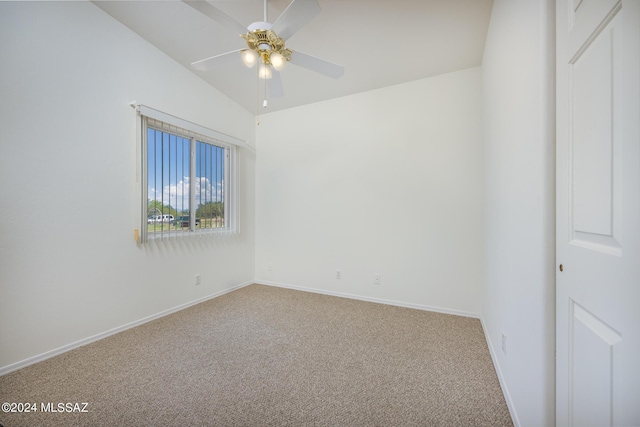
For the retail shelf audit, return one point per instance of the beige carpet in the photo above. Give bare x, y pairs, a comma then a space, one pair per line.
264, 356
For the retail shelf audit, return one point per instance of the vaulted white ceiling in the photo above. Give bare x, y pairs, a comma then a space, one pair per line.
379, 42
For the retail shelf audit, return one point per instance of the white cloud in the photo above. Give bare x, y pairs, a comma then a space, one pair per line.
177, 195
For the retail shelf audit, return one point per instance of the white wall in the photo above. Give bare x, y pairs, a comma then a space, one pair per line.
69, 267
518, 299
385, 182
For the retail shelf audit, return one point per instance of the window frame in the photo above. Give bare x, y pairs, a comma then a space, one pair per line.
195, 133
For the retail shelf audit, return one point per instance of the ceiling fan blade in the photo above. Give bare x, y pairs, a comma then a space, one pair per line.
295, 16
318, 65
217, 15
275, 85
215, 61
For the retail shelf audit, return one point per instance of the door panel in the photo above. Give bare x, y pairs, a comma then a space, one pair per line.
591, 353
592, 147
584, 17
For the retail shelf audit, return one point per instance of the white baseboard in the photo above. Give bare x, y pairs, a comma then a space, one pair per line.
370, 299
51, 353
503, 384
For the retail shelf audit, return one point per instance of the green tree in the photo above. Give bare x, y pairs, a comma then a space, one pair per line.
155, 207
210, 210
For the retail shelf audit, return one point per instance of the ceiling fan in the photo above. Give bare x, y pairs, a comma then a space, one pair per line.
266, 43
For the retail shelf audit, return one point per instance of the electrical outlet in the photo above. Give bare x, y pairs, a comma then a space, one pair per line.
270, 267
338, 274
504, 343
376, 279
197, 279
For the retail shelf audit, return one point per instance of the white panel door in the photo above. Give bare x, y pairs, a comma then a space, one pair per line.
598, 213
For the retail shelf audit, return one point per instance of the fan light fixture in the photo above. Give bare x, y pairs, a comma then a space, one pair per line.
264, 72
249, 57
277, 60
265, 46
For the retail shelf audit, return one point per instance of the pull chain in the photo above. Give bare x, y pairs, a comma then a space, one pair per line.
257, 96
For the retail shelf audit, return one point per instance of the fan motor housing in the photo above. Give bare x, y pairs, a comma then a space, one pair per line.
261, 39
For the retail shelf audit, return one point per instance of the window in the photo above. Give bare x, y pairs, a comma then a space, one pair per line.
188, 178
